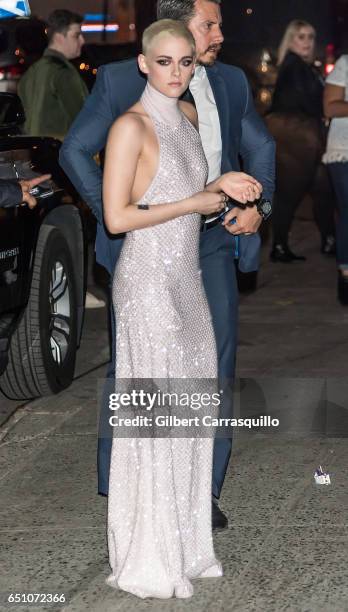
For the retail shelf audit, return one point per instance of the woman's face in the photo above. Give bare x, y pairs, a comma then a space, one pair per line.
303, 43
169, 64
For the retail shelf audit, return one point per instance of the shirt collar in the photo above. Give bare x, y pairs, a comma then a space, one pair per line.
199, 75
200, 72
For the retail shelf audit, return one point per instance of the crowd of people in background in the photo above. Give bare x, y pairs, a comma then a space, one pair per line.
311, 159
309, 154
296, 120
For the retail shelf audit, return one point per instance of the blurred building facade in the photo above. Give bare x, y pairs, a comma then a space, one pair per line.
120, 13
246, 22
263, 22
253, 30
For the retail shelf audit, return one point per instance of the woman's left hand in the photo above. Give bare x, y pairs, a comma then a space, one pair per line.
240, 186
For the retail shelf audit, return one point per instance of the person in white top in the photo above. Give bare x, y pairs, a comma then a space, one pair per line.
336, 156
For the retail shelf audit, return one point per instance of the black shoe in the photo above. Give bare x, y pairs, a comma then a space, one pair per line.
218, 518
295, 257
281, 253
328, 246
342, 289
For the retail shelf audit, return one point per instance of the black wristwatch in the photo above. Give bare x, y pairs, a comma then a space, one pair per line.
264, 208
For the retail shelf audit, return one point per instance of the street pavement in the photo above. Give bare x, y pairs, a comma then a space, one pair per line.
286, 547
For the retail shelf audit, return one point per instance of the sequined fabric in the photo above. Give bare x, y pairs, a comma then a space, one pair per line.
159, 514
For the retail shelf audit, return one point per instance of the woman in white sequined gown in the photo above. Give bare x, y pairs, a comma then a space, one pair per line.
159, 514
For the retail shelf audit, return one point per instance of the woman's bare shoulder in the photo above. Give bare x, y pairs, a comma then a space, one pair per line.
131, 123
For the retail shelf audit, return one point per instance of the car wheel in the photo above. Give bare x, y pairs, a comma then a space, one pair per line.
43, 348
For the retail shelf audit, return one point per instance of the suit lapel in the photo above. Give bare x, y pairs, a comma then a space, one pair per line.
221, 98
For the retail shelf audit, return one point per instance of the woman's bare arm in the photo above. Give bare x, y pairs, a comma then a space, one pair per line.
334, 103
123, 150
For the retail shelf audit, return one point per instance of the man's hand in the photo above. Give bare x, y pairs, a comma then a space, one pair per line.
248, 221
27, 185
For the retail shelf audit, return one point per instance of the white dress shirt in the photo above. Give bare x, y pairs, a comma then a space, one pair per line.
209, 122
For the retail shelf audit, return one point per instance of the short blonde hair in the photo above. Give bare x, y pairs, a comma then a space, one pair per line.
167, 26
293, 28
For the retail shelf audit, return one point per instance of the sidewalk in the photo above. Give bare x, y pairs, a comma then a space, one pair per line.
286, 547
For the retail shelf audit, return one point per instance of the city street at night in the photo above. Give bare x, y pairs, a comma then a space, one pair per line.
173, 278
287, 541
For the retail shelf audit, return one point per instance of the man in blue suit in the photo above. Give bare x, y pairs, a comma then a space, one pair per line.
230, 129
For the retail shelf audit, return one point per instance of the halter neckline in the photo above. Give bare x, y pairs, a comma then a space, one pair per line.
161, 107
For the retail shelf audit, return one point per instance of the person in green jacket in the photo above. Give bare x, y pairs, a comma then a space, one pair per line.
52, 91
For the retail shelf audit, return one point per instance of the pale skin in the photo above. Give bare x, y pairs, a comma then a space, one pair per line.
169, 65
68, 43
303, 43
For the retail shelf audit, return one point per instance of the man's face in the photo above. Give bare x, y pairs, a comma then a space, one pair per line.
72, 42
206, 29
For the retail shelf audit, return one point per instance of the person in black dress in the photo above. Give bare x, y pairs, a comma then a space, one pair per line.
295, 121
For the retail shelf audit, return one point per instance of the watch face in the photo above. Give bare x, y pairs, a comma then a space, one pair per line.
266, 207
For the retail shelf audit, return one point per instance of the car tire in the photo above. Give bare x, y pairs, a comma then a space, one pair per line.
43, 348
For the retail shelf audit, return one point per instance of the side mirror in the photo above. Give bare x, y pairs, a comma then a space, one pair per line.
11, 111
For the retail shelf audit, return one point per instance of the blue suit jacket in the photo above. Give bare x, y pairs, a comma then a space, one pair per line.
118, 86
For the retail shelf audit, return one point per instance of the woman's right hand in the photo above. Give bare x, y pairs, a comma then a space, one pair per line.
207, 202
